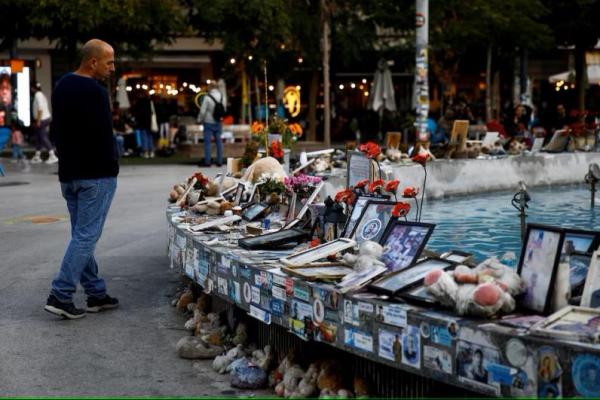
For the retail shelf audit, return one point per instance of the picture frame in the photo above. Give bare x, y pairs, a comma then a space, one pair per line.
316, 253
579, 266
420, 295
273, 239
305, 207
358, 279
459, 257
580, 241
538, 265
239, 192
373, 221
580, 323
254, 211
403, 242
591, 288
319, 272
359, 167
394, 282
357, 207
215, 222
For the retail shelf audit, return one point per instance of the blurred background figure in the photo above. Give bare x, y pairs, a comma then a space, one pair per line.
41, 125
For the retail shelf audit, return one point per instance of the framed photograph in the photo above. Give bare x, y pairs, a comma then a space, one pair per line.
358, 279
395, 282
372, 221
317, 253
305, 207
419, 294
591, 288
254, 192
359, 204
579, 265
538, 265
239, 192
254, 211
319, 272
582, 323
580, 241
359, 168
403, 243
473, 364
459, 257
273, 239
291, 212
215, 222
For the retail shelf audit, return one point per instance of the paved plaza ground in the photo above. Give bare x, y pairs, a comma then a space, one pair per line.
129, 351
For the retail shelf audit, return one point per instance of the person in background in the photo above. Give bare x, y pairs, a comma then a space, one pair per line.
118, 128
142, 113
560, 120
5, 91
87, 170
209, 110
16, 139
41, 124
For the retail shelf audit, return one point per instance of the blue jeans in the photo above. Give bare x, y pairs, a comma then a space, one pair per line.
147, 140
211, 130
17, 152
120, 144
88, 201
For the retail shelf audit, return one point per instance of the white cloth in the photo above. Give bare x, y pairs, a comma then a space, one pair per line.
208, 106
40, 104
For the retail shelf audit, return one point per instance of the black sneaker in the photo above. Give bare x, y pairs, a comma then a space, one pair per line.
65, 310
95, 304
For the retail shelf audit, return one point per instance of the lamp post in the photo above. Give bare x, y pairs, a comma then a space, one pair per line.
421, 94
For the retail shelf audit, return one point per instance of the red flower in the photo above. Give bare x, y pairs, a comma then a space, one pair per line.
375, 185
314, 243
421, 158
392, 186
361, 184
410, 192
401, 209
201, 179
276, 149
345, 196
372, 150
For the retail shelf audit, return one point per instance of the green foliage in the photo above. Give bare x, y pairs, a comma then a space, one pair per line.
574, 22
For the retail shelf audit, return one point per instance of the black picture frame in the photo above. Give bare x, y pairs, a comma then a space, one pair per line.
538, 297
419, 294
395, 261
273, 239
356, 212
458, 256
395, 282
239, 192
380, 226
592, 236
353, 177
254, 211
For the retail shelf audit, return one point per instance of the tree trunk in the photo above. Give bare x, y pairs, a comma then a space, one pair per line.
312, 106
326, 86
257, 92
488, 85
580, 76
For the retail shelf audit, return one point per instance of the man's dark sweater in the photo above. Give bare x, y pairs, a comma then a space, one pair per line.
82, 130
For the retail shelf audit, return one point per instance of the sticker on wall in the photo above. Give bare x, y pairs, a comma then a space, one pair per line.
435, 359
278, 293
247, 293
365, 307
277, 307
318, 314
301, 319
390, 345
439, 334
237, 296
222, 286
392, 314
549, 373
326, 332
586, 375
234, 270
503, 374
516, 352
209, 287
411, 347
453, 328
358, 340
350, 313
472, 361
302, 293
425, 331
255, 295
260, 315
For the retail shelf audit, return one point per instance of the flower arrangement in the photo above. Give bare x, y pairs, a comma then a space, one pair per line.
271, 184
276, 150
376, 186
401, 209
371, 149
346, 196
301, 184
289, 133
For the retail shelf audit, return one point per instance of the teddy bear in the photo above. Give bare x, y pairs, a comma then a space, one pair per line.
220, 363
186, 298
369, 253
263, 358
482, 291
267, 165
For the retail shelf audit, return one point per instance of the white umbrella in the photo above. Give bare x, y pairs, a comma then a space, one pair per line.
122, 96
593, 75
382, 91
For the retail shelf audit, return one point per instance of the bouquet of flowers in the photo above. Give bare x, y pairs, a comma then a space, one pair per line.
301, 184
271, 184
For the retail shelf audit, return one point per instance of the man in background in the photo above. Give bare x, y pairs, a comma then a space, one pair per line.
41, 125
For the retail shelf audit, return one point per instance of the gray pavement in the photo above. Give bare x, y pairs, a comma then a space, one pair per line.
129, 351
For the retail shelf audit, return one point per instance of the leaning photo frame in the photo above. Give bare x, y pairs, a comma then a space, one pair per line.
316, 253
580, 241
357, 206
403, 242
538, 265
372, 221
298, 217
239, 192
359, 168
591, 288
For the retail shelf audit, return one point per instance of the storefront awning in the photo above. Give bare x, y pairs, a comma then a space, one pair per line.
593, 73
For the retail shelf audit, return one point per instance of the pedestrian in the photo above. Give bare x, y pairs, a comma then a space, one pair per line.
87, 170
212, 111
16, 139
41, 123
142, 113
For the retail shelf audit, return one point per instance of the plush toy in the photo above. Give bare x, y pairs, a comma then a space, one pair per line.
494, 149
393, 154
516, 147
193, 347
241, 334
263, 358
267, 165
213, 208
220, 363
308, 385
329, 377
361, 387
186, 298
368, 256
321, 164
482, 291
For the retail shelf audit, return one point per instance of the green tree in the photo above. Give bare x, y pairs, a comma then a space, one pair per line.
17, 23
576, 23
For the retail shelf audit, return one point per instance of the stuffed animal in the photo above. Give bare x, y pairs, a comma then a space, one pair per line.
393, 154
361, 387
220, 363
193, 347
267, 165
307, 386
482, 291
263, 358
289, 385
186, 298
329, 377
241, 334
368, 256
516, 147
213, 208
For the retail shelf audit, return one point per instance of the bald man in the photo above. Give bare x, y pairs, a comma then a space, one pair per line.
82, 130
